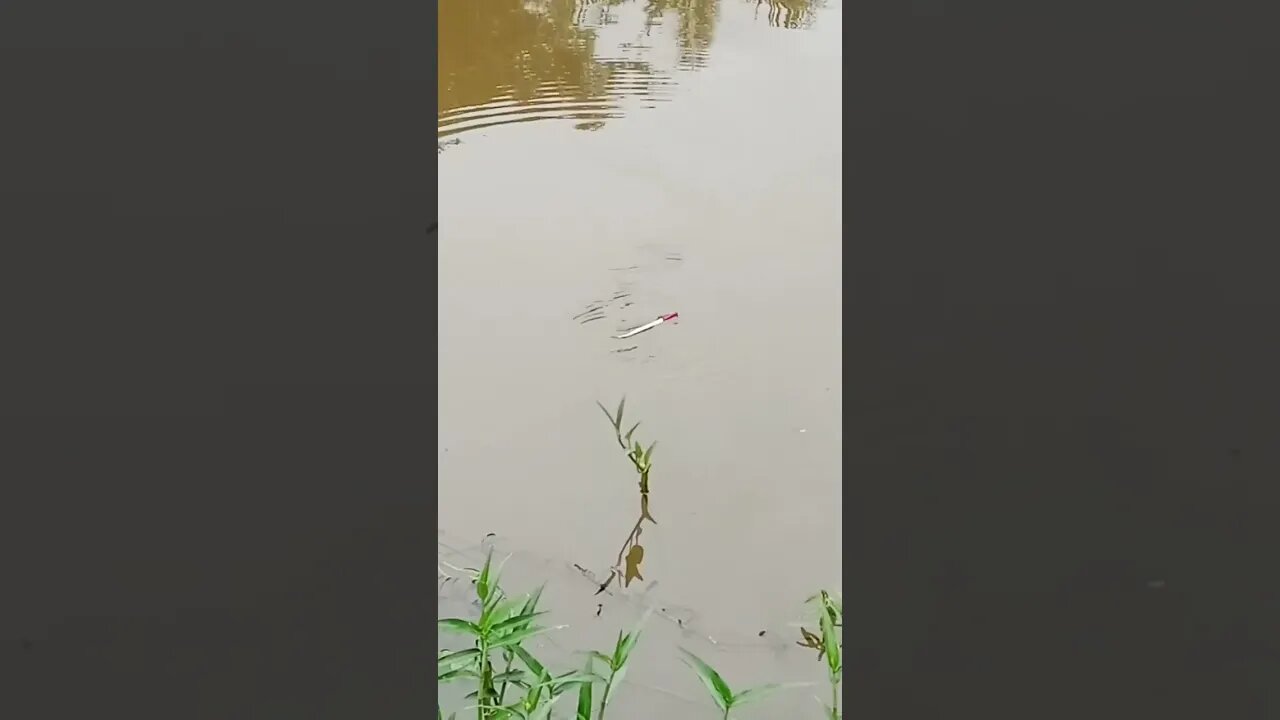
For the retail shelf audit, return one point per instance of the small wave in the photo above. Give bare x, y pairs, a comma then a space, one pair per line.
558, 100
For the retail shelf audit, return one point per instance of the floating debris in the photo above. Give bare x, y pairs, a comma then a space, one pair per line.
646, 327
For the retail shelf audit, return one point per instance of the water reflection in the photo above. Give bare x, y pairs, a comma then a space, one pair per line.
507, 61
789, 14
696, 20
514, 61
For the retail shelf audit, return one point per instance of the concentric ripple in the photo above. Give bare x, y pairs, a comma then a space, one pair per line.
587, 62
602, 98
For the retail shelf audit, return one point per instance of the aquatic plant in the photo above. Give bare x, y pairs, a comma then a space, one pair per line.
724, 696
829, 643
504, 625
500, 663
642, 462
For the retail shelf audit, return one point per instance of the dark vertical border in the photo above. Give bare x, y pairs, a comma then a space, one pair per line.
1063, 402
217, 404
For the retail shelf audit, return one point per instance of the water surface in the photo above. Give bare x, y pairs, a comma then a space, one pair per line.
602, 164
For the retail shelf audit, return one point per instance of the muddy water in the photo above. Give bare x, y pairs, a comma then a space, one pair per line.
602, 164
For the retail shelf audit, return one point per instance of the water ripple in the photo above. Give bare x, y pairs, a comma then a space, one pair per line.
623, 83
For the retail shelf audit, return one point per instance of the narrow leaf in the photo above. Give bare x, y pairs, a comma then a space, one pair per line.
629, 642
716, 686
517, 637
574, 677
504, 713
605, 410
584, 702
617, 423
449, 661
459, 625
759, 693
509, 676
616, 660
615, 679
584, 697
530, 661
482, 581
830, 643
500, 611
531, 603
543, 711
456, 674
515, 623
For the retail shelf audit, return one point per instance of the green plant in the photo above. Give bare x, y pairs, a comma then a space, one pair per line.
829, 643
617, 664
506, 623
503, 626
640, 456
724, 696
642, 462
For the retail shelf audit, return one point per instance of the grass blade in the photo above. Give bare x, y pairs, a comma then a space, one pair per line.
530, 661
515, 623
759, 693
482, 580
627, 643
574, 677
617, 421
543, 711
716, 686
458, 625
509, 676
517, 637
462, 658
830, 642
456, 674
618, 646
531, 603
605, 410
507, 608
584, 698
837, 603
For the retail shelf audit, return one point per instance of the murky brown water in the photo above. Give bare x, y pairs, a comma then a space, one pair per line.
602, 164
